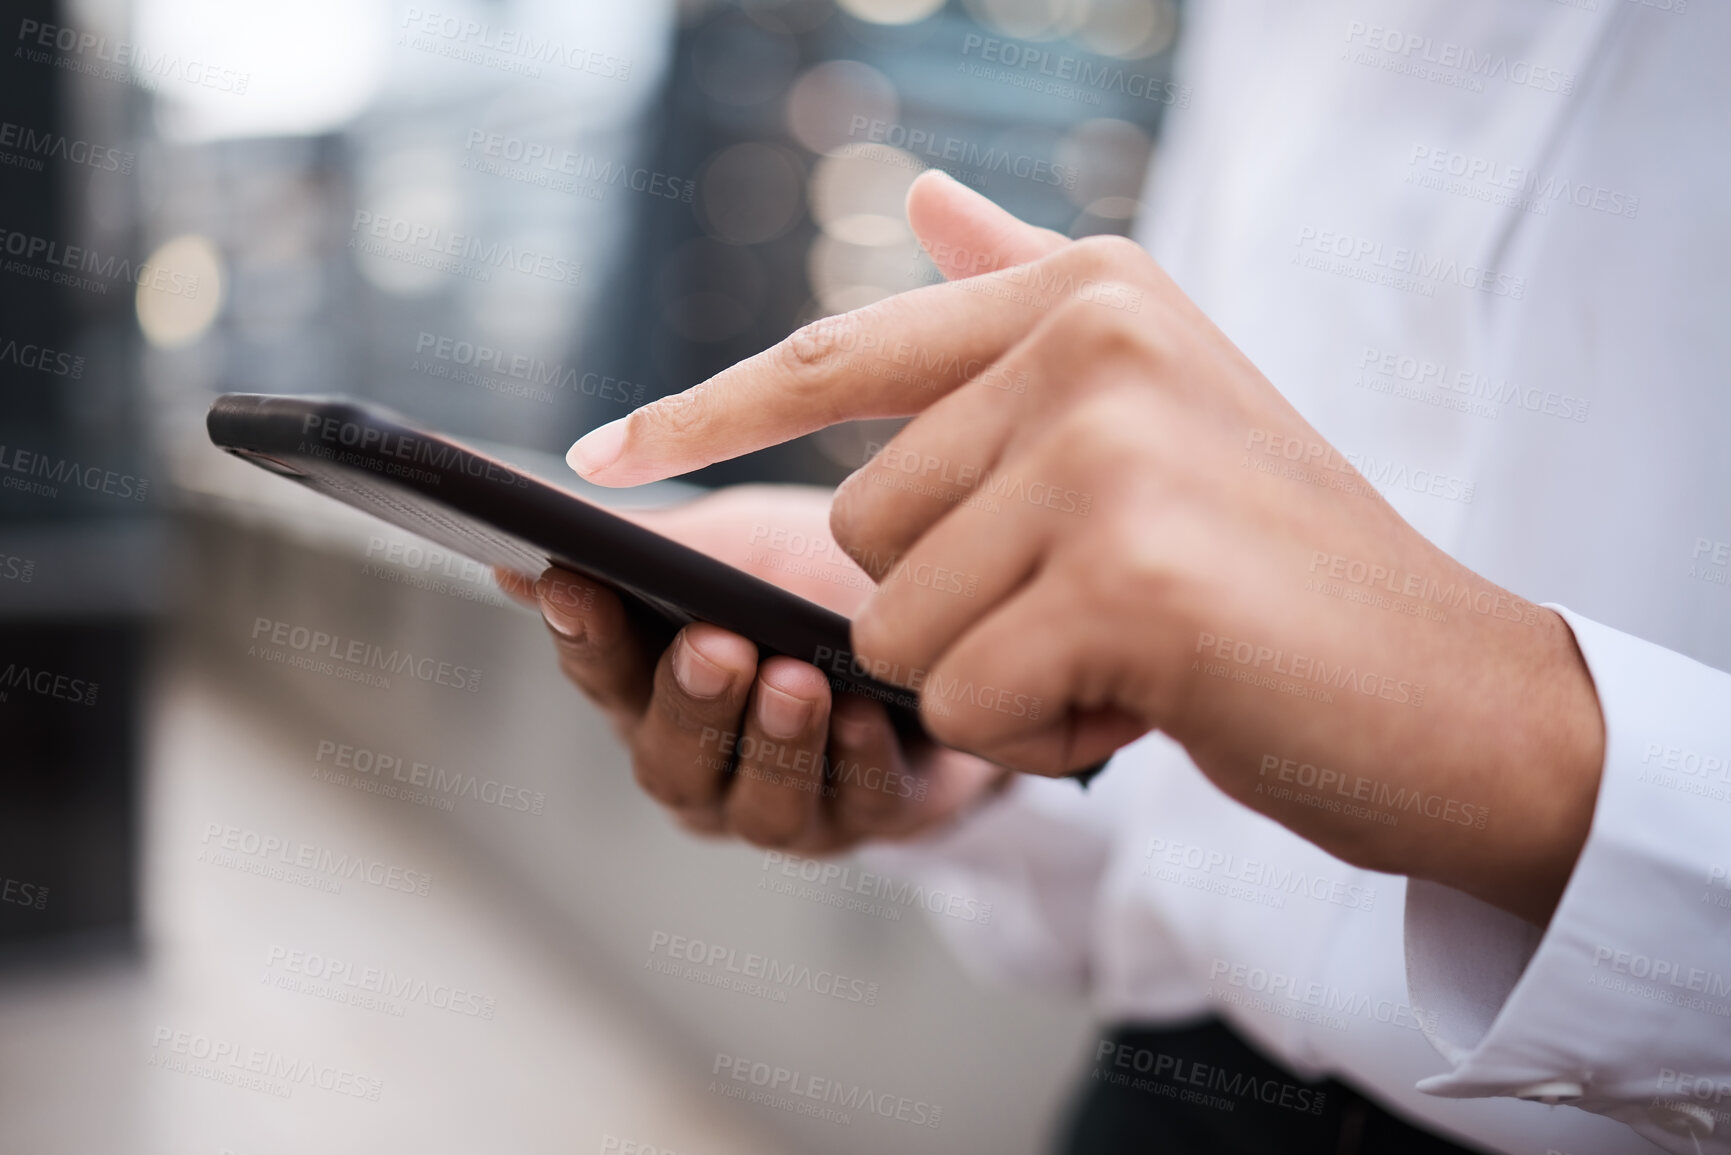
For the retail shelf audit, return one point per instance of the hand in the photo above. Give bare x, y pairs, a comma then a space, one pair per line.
734, 747
1159, 540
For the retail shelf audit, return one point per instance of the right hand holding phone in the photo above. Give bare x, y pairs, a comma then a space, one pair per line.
732, 746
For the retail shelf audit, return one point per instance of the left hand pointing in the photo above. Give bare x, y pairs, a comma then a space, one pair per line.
1138, 531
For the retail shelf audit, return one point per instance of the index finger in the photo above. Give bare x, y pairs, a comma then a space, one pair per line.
889, 359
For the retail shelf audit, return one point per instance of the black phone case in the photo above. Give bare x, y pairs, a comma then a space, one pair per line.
375, 460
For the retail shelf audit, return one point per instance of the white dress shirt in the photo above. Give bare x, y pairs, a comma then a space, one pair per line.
1485, 247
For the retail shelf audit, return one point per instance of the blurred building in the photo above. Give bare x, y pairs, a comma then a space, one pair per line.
80, 503
514, 220
804, 122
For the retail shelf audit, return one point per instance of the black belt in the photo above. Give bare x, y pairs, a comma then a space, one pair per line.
1202, 1090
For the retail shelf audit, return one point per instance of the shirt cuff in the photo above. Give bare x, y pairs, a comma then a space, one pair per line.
1622, 1005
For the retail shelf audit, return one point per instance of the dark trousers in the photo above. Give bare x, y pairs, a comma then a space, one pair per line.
1202, 1090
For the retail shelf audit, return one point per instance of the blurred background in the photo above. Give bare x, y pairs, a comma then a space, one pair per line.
254, 908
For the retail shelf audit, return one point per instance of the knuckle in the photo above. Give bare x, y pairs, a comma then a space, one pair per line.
703, 822
654, 781
870, 810
1105, 432
1106, 253
1141, 573
582, 658
576, 668
1100, 331
808, 368
769, 827
686, 715
815, 346
678, 415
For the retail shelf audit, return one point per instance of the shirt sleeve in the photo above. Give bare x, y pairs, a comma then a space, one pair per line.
1622, 1005
1029, 864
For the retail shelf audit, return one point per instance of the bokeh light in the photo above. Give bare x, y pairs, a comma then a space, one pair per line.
751, 193
828, 102
180, 291
890, 11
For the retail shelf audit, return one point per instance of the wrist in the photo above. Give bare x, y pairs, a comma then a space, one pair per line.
1550, 755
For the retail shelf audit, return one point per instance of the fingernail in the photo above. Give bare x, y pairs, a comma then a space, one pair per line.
597, 449
781, 715
567, 625
696, 674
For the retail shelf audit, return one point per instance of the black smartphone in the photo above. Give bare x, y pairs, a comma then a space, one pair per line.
476, 505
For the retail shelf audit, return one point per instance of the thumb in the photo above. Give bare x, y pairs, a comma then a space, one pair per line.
965, 234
